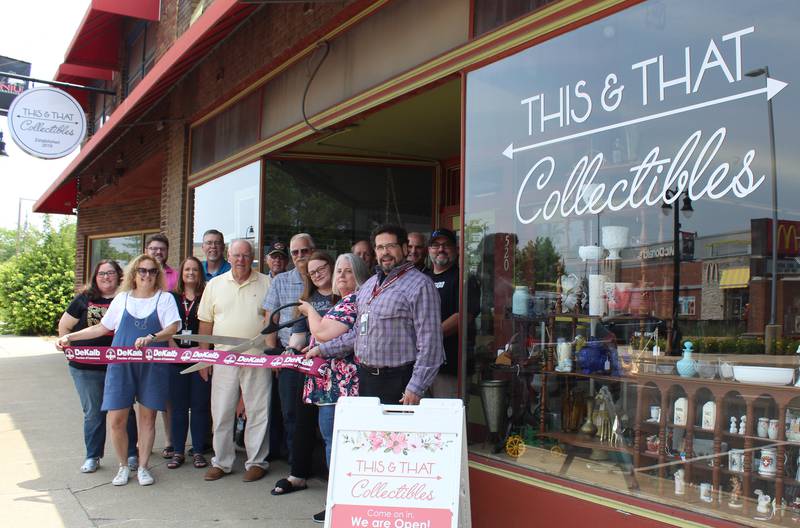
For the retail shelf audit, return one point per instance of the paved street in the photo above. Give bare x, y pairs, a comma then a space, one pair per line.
41, 449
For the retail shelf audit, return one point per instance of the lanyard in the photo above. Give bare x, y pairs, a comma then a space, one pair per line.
377, 290
186, 309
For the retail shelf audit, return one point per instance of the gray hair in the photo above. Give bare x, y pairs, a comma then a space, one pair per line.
358, 266
244, 241
298, 236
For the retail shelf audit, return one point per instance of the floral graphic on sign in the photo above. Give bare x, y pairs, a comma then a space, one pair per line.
395, 442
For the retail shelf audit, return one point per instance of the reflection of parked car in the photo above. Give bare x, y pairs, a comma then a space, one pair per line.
627, 327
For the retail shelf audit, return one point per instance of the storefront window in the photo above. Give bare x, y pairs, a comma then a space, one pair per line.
339, 202
620, 200
122, 248
228, 204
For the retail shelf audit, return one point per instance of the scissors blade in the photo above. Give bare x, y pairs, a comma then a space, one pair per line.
256, 342
196, 367
214, 339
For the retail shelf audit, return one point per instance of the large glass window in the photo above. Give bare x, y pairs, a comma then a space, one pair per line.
620, 209
339, 203
228, 204
122, 248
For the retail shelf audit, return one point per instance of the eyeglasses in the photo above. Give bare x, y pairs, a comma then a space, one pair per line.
246, 256
301, 251
387, 247
441, 246
111, 273
144, 272
317, 272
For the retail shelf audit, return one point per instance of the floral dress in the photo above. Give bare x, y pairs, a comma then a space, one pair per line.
341, 378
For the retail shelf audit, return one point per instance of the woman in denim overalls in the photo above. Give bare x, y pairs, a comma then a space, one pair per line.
141, 315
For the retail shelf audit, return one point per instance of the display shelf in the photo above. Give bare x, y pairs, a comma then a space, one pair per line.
580, 440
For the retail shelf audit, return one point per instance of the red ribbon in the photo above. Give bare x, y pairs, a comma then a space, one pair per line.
108, 355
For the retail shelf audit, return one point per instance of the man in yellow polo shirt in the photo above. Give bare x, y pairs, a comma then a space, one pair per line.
231, 306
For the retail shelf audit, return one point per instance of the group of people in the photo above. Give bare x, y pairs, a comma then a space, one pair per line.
385, 317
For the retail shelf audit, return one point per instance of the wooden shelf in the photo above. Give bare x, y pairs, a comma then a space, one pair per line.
579, 440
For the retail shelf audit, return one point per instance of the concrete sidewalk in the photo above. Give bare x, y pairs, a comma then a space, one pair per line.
41, 449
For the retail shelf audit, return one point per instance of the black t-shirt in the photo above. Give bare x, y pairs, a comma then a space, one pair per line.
187, 310
89, 313
447, 285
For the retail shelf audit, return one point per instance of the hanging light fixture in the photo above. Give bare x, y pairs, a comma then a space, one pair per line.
2, 146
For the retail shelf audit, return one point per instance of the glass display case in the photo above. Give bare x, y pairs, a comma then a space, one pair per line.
629, 214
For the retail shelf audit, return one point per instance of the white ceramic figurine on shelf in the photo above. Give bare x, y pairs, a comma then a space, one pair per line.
680, 487
742, 425
733, 429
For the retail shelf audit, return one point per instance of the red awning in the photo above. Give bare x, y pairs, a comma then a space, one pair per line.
97, 41
72, 73
221, 17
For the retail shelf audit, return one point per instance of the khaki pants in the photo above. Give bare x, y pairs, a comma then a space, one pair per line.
256, 387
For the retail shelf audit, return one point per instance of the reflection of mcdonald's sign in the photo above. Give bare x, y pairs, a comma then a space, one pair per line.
788, 237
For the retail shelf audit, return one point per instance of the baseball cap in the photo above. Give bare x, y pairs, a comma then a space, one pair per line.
446, 233
278, 247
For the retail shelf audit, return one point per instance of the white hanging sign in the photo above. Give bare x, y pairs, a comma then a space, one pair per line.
395, 466
46, 122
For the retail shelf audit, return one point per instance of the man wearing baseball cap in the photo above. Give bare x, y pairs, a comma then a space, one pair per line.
277, 259
443, 253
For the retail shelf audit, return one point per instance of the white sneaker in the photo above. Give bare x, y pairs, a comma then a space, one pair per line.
90, 465
144, 476
123, 474
133, 463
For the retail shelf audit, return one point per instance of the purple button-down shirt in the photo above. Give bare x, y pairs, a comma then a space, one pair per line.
403, 326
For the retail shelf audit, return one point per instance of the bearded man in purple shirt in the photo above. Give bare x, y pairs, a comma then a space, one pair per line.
397, 337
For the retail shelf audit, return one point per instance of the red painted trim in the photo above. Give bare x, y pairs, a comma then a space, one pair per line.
611, 495
471, 31
194, 36
462, 158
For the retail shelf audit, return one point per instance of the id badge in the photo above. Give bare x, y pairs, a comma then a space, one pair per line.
363, 324
186, 341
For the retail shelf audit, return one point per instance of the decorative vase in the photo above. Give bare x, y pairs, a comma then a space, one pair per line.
591, 252
615, 238
597, 298
520, 300
686, 366
589, 428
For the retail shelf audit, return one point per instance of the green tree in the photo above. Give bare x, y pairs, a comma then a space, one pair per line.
537, 264
37, 284
9, 240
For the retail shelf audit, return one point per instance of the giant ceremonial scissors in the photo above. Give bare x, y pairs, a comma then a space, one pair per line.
240, 344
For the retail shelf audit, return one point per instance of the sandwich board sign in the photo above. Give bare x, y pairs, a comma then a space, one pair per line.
396, 466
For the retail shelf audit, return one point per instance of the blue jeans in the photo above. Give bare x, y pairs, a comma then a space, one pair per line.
189, 391
326, 416
290, 387
89, 384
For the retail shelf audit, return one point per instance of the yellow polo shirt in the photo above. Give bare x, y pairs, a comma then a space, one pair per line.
234, 309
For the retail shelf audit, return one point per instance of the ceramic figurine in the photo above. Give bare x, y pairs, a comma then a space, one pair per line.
762, 427
679, 411
686, 366
733, 429
772, 429
709, 415
742, 425
680, 486
764, 501
736, 493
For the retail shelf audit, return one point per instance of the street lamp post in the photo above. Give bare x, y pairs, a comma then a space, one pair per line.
686, 208
772, 331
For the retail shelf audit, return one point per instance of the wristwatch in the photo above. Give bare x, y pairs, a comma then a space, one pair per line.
153, 336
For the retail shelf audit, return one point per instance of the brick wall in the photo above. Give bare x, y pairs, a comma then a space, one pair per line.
266, 36
116, 218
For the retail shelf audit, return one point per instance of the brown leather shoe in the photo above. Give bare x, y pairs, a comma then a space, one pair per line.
254, 473
214, 473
